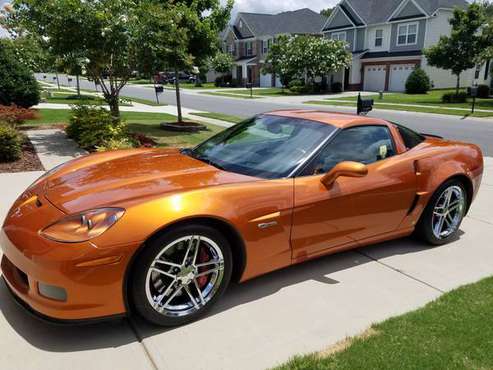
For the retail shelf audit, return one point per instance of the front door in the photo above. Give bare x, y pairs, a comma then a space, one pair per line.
352, 209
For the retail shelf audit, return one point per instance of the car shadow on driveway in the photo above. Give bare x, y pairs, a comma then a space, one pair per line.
70, 338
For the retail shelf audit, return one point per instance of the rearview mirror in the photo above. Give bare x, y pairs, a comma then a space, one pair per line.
348, 169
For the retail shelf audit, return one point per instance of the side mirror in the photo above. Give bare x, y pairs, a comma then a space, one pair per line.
348, 169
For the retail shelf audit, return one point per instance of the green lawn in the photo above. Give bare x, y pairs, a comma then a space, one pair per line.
432, 98
230, 94
453, 332
220, 116
71, 98
274, 91
205, 85
378, 105
146, 101
145, 123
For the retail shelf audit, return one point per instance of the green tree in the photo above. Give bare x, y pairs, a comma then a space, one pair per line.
222, 63
17, 83
276, 60
180, 35
327, 12
459, 51
97, 33
307, 57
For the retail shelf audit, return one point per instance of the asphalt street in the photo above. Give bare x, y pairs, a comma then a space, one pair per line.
477, 131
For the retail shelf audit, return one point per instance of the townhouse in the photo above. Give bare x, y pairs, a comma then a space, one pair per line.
387, 38
251, 35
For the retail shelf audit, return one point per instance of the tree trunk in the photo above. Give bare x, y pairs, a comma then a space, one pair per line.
78, 86
178, 99
113, 102
457, 88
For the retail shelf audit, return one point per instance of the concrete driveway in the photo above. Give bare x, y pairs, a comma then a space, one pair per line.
265, 321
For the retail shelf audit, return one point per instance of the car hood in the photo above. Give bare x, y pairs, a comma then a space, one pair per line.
109, 178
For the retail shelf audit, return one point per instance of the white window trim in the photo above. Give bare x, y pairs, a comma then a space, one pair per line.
249, 50
407, 33
338, 34
376, 38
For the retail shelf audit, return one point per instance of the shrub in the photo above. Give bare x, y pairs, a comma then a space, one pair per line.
483, 91
92, 126
17, 83
10, 144
454, 98
418, 82
116, 144
336, 87
226, 81
296, 86
14, 115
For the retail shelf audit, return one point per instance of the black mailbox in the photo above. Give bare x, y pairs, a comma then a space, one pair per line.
364, 105
474, 91
159, 89
249, 85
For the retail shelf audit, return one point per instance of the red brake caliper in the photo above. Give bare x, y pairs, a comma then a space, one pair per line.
203, 257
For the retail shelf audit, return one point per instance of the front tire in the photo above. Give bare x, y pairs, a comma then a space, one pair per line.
442, 217
181, 274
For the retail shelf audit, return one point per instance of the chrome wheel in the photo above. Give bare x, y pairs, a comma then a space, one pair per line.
184, 276
448, 212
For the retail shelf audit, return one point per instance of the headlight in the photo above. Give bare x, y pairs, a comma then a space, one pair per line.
84, 226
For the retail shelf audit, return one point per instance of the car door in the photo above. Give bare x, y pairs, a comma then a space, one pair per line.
352, 209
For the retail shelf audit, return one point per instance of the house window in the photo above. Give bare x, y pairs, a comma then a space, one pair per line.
265, 47
248, 48
339, 36
378, 38
487, 69
240, 24
407, 34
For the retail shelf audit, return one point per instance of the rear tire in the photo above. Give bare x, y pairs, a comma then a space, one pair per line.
440, 222
181, 274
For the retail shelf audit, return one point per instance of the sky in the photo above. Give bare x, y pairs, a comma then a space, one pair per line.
276, 6
2, 31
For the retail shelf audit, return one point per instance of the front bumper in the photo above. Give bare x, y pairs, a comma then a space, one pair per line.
91, 277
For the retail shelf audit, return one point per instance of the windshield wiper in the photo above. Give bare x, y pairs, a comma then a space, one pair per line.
208, 161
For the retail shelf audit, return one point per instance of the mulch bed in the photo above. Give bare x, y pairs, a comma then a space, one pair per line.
29, 160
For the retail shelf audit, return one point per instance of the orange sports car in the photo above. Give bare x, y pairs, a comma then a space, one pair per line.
161, 232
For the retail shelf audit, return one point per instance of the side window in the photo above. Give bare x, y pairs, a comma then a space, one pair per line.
409, 137
365, 144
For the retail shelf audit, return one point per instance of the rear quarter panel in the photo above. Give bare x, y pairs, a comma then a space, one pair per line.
436, 161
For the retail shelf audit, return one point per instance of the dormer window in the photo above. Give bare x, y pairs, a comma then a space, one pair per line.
407, 34
378, 38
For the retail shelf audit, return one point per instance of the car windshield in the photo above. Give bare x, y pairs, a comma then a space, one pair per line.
265, 146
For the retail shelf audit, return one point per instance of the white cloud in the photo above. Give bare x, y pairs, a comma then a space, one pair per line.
276, 6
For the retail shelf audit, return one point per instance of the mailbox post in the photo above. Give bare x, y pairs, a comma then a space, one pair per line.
364, 105
159, 89
474, 95
249, 85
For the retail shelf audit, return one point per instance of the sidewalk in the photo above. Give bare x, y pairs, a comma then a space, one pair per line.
265, 321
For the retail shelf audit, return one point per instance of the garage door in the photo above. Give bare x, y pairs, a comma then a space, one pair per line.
266, 80
398, 76
375, 78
